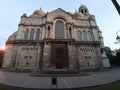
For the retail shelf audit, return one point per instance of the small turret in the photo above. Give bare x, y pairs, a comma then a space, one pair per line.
83, 9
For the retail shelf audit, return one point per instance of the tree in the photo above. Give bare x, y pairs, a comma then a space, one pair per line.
118, 56
111, 55
114, 56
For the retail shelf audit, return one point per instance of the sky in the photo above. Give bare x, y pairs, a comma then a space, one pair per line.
107, 18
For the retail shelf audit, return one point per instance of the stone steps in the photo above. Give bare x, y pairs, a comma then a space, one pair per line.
58, 74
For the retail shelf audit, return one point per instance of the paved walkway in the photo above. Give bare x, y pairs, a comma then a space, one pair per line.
26, 81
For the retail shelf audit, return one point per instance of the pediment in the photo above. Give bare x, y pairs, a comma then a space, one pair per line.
59, 13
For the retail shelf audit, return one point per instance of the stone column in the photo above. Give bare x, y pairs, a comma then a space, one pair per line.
46, 28
46, 57
38, 58
67, 31
14, 56
44, 32
17, 57
71, 56
99, 58
51, 31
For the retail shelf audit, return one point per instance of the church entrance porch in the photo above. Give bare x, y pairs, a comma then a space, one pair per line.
59, 58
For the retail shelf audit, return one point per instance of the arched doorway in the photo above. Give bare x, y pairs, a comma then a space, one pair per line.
60, 57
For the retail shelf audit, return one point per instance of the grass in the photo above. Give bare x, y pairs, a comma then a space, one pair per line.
112, 86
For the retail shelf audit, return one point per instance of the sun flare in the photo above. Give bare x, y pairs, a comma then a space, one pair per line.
4, 47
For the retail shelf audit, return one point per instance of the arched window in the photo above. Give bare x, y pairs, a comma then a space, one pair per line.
84, 11
79, 36
37, 34
70, 32
84, 36
26, 34
89, 36
59, 29
48, 31
32, 34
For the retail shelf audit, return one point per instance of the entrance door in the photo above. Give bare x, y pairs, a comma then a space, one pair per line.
60, 57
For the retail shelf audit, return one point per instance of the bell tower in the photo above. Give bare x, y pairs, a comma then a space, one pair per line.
83, 9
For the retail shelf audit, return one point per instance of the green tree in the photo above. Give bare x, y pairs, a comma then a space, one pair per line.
118, 56
111, 55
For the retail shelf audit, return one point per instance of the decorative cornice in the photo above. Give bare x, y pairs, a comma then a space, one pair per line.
87, 42
24, 41
85, 26
48, 40
23, 24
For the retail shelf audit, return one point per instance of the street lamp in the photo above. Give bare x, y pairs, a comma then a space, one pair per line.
118, 37
117, 6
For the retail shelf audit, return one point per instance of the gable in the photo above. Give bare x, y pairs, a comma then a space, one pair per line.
59, 13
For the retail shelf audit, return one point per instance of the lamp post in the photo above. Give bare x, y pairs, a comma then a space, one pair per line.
117, 6
118, 37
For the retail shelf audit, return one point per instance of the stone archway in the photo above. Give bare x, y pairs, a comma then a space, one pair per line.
60, 57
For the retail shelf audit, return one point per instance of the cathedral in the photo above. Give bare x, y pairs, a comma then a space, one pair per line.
56, 41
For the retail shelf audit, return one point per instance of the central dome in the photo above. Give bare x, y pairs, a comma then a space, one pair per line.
38, 12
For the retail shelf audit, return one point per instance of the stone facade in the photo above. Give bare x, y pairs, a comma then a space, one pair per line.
56, 40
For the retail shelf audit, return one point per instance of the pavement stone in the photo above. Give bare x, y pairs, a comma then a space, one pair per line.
24, 80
